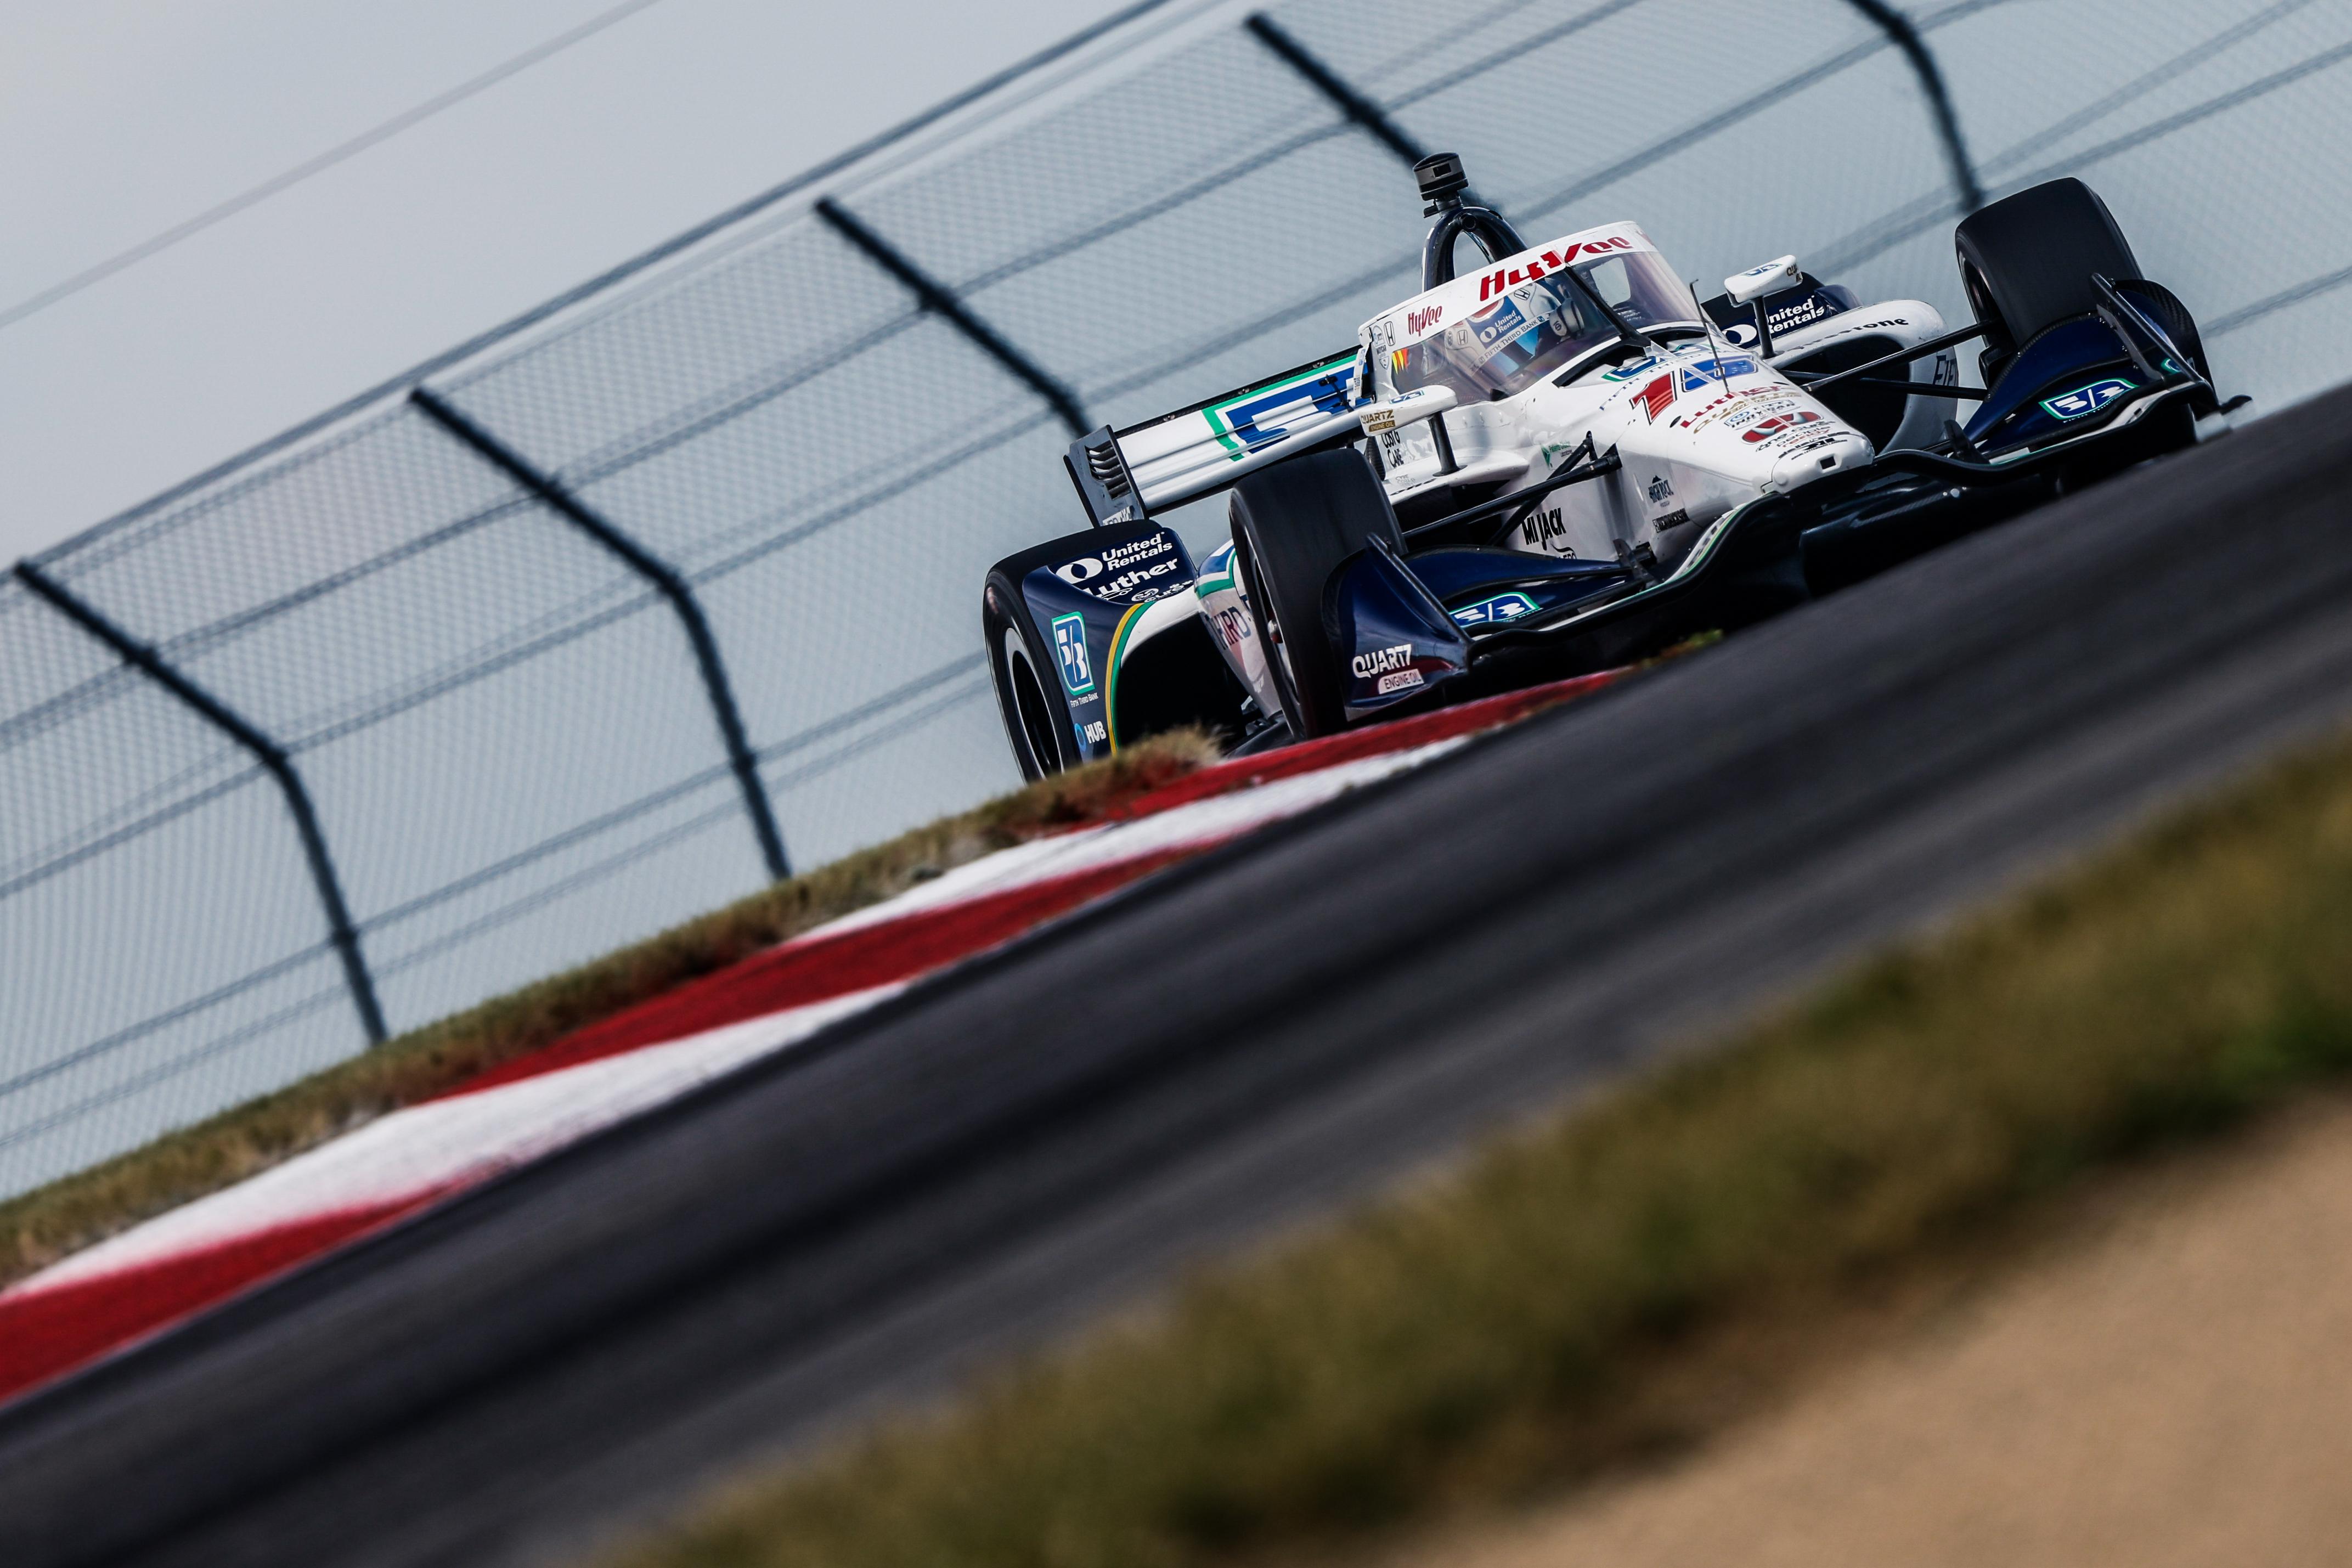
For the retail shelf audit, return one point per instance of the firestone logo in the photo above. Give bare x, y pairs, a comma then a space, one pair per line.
1502, 280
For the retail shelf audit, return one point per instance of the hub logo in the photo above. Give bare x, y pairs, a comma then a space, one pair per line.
2086, 399
1070, 653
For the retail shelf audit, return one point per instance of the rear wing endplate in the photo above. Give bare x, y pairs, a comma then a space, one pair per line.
1124, 475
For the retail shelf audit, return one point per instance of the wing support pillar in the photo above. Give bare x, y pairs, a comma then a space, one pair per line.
935, 297
668, 582
341, 930
1905, 38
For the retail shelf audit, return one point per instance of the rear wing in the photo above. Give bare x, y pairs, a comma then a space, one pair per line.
1125, 475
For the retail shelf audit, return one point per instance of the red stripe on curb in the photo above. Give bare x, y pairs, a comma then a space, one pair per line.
816, 968
45, 1333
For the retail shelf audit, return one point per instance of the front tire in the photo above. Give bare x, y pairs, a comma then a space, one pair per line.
1294, 524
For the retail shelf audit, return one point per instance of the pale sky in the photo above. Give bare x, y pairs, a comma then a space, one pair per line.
122, 118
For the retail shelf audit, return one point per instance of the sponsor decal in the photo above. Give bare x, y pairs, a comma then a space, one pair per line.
1638, 367
1326, 389
1781, 425
1504, 278
1400, 681
1491, 611
1734, 407
1674, 519
1379, 661
1419, 322
1398, 360
1698, 373
1123, 570
1378, 419
1801, 311
1540, 527
1128, 583
1092, 734
2086, 399
1657, 397
1070, 653
1128, 555
1232, 628
1660, 487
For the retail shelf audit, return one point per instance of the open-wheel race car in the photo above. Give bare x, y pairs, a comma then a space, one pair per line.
1567, 461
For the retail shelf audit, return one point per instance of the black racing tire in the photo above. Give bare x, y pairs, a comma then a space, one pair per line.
2026, 263
1294, 524
1037, 724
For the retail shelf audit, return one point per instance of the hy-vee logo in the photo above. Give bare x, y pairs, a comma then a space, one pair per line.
1419, 322
1503, 280
2086, 399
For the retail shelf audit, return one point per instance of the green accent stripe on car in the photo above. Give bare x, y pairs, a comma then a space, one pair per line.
1118, 649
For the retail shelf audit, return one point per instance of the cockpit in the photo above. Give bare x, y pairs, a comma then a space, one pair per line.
1544, 324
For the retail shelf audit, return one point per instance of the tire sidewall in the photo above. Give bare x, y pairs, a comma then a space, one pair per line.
1005, 620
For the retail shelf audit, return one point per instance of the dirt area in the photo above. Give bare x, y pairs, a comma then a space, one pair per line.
2168, 1381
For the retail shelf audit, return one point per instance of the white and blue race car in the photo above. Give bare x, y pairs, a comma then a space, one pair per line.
1567, 461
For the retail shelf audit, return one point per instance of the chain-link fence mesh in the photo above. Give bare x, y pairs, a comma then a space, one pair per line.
502, 728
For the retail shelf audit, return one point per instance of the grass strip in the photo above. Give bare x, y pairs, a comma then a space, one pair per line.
40, 1227
1520, 1324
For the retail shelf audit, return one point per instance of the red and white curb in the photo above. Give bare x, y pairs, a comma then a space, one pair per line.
148, 1277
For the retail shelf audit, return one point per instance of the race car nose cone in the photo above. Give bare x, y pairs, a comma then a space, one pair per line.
1795, 470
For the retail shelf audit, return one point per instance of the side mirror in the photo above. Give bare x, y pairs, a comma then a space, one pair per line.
1758, 281
1407, 408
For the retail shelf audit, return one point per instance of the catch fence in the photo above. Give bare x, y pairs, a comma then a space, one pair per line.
648, 596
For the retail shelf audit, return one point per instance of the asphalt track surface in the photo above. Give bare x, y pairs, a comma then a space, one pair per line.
1242, 1041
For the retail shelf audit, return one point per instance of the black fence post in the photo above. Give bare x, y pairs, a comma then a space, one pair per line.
1897, 26
672, 586
1350, 102
344, 935
934, 296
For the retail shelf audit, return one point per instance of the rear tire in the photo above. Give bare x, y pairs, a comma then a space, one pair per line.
1294, 524
1037, 722
2026, 263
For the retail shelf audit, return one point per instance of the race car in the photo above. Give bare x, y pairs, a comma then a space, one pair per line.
1566, 461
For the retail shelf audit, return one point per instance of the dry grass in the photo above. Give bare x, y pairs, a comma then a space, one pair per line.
45, 1224
1528, 1323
